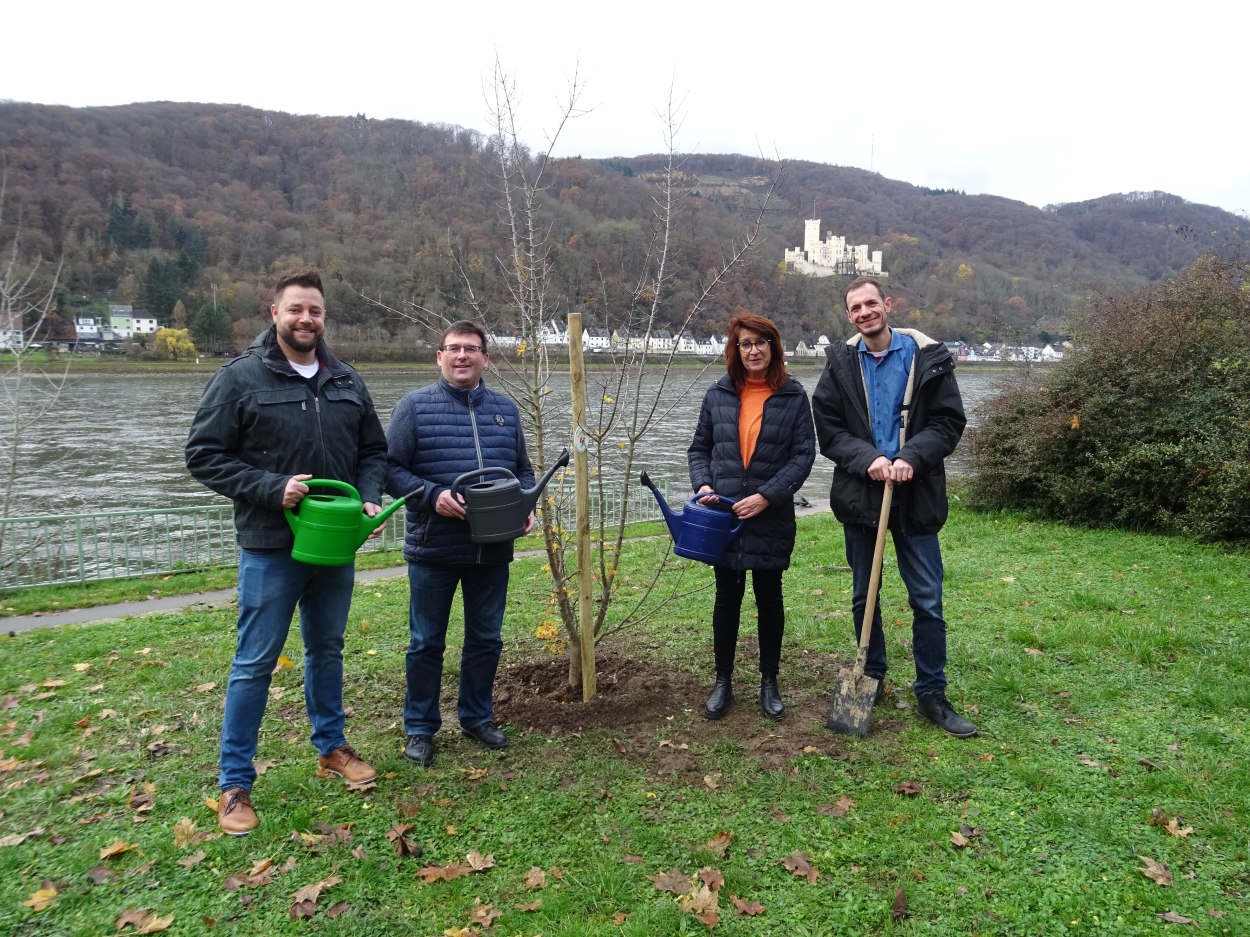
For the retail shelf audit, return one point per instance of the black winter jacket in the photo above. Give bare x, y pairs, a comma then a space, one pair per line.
259, 423
781, 462
933, 429
437, 433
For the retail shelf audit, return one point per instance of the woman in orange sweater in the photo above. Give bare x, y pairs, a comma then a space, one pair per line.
754, 443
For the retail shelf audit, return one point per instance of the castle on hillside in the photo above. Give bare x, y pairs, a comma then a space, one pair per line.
832, 256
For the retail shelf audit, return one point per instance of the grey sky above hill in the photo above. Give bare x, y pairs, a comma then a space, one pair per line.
1041, 102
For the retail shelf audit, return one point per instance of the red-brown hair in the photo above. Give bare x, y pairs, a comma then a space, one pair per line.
764, 328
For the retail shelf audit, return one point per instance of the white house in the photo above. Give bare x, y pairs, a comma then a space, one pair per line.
128, 325
595, 338
553, 333
495, 339
661, 340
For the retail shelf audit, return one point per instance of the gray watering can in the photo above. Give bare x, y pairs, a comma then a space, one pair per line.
329, 529
701, 531
498, 509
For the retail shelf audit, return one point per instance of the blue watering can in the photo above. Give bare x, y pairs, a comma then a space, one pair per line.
701, 531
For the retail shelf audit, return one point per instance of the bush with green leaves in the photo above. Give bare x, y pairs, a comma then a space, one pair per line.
1146, 425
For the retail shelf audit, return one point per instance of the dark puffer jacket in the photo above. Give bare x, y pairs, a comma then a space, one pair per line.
259, 423
783, 457
437, 433
936, 423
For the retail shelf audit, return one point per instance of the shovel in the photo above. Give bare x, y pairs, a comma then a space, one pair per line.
850, 710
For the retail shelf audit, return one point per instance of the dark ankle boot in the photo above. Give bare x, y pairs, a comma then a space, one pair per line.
720, 699
771, 706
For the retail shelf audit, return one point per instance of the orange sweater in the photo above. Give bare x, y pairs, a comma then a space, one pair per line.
750, 415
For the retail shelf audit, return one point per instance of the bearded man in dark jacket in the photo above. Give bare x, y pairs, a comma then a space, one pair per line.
284, 412
888, 412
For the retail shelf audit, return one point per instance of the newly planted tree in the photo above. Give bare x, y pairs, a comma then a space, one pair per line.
629, 401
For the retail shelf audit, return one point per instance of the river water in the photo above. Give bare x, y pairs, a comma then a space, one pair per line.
115, 442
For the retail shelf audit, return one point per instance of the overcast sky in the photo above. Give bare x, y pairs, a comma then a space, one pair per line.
1044, 102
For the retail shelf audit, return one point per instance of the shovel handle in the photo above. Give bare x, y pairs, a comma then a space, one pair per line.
874, 580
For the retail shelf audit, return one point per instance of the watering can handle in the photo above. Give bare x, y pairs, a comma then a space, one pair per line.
333, 483
489, 470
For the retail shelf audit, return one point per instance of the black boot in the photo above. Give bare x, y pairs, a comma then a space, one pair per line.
720, 699
771, 706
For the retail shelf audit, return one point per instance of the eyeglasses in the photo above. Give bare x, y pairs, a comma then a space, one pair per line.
760, 343
467, 349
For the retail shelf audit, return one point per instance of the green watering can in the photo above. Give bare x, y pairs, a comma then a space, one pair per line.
329, 529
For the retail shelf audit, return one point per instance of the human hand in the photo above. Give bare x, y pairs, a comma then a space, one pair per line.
750, 506
901, 471
373, 510
879, 471
295, 490
530, 522
450, 505
705, 495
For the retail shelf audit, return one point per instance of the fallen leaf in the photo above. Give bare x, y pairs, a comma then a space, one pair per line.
404, 847
899, 910
703, 903
284, 663
336, 909
265, 764
194, 859
1156, 872
908, 789
535, 878
719, 844
205, 687
443, 873
1171, 917
475, 774
184, 833
531, 906
100, 874
671, 881
483, 915
478, 862
116, 849
313, 892
800, 865
145, 922
748, 909
40, 899
712, 878
838, 809
958, 840
710, 782
635, 860
1034, 651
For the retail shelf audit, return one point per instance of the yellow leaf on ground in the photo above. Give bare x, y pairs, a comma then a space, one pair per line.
81, 667
184, 833
284, 663
39, 900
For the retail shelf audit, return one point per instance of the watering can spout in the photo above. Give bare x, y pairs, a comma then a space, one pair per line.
530, 498
671, 517
700, 532
369, 524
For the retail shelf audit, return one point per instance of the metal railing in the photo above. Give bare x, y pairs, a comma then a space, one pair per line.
64, 549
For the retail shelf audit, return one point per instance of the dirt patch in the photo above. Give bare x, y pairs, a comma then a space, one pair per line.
652, 714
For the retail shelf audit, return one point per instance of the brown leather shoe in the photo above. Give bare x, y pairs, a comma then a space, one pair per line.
234, 812
344, 762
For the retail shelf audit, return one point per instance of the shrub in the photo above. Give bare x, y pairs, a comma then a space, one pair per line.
1146, 425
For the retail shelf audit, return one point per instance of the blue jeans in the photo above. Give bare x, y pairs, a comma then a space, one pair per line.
484, 590
920, 566
271, 584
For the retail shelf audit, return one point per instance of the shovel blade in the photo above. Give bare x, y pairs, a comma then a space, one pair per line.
850, 710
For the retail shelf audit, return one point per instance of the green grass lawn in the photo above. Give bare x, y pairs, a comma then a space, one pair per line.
1106, 793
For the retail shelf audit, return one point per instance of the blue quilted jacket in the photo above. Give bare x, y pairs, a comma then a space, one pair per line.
437, 433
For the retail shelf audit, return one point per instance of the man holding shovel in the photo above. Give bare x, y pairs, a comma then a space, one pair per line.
888, 412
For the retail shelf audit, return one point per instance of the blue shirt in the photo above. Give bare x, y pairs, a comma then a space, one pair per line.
885, 380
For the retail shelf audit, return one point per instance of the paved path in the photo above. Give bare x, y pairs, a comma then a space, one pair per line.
78, 616
205, 600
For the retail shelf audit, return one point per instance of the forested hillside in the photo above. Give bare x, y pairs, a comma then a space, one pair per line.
170, 206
